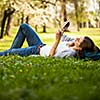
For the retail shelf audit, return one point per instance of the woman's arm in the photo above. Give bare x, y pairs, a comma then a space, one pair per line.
58, 37
55, 45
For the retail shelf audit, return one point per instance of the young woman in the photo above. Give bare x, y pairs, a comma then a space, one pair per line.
67, 48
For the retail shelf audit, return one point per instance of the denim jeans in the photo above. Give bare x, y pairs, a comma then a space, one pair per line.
24, 32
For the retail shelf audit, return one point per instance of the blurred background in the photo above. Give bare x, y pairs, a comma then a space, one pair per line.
49, 13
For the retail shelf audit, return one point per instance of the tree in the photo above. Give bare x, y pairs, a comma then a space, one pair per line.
7, 14
61, 10
8, 25
80, 11
6, 10
98, 14
43, 12
76, 13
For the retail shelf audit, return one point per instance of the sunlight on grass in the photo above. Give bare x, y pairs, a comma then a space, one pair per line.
49, 37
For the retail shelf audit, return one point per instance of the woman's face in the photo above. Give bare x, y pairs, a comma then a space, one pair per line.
78, 41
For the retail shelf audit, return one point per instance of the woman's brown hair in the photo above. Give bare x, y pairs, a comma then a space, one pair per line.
87, 45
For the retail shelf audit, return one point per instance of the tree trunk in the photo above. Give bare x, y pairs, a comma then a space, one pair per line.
7, 32
7, 13
76, 14
44, 28
36, 28
3, 24
22, 18
27, 19
64, 12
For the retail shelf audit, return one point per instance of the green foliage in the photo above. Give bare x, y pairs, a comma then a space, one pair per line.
33, 78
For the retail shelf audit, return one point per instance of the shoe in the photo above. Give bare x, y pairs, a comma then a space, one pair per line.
65, 26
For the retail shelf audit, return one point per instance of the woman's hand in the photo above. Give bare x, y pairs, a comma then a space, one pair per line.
77, 48
71, 44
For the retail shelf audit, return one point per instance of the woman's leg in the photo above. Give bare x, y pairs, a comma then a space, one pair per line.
25, 31
21, 51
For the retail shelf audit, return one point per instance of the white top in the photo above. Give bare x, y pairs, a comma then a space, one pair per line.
62, 50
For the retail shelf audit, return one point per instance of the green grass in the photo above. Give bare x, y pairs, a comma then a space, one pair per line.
39, 78
33, 78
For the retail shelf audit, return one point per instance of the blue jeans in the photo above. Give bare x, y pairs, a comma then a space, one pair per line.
24, 32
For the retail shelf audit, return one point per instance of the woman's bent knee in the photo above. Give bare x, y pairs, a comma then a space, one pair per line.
24, 25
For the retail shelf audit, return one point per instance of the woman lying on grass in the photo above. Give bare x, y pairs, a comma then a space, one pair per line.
82, 47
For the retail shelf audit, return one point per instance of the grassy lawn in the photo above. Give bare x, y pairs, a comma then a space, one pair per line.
39, 78
49, 37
